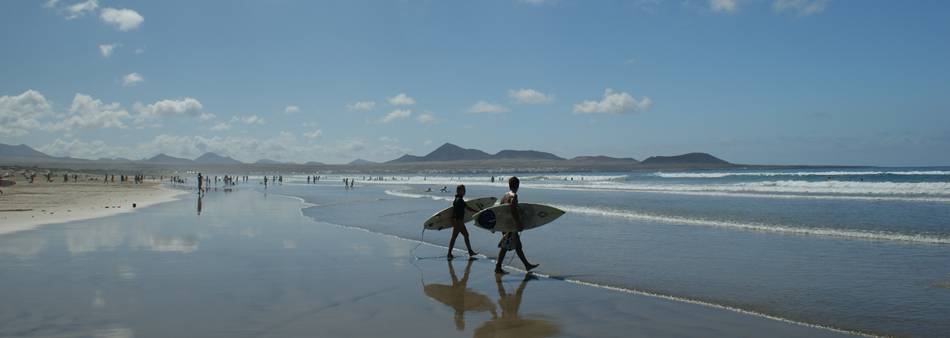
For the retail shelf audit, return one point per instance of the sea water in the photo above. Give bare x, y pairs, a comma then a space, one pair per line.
857, 249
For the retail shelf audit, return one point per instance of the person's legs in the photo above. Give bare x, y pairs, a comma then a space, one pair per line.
501, 258
455, 234
524, 260
468, 244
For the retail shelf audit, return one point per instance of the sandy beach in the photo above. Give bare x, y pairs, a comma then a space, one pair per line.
28, 205
251, 264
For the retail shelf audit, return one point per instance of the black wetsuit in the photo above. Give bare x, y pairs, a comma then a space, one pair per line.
458, 209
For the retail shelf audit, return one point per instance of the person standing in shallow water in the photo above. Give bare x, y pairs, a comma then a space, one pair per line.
458, 225
512, 240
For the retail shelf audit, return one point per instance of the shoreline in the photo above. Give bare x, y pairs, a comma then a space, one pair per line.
30, 206
598, 286
298, 275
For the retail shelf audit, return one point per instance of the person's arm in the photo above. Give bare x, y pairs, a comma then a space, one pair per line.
514, 212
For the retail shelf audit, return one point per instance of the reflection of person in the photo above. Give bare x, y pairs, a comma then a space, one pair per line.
199, 204
458, 225
511, 324
512, 240
459, 297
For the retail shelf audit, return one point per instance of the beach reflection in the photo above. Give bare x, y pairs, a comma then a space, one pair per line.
459, 297
509, 323
512, 324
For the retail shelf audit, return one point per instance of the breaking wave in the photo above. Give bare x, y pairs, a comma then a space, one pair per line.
760, 227
799, 173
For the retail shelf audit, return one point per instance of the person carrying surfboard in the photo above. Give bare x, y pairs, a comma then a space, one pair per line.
458, 226
512, 240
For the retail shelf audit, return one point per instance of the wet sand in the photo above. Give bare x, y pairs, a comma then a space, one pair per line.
246, 264
25, 206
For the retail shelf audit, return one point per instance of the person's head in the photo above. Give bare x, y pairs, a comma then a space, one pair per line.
514, 183
460, 190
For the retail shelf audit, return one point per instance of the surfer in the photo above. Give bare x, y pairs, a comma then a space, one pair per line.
458, 214
512, 240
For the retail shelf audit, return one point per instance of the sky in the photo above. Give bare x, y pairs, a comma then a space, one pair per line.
751, 81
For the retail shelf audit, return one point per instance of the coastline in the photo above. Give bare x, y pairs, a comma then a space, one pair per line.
296, 275
27, 206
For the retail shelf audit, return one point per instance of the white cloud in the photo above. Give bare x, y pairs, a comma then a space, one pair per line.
122, 19
387, 139
530, 96
140, 50
87, 112
285, 146
107, 49
426, 118
79, 9
221, 126
51, 3
427, 142
724, 6
181, 107
132, 79
361, 106
802, 7
82, 149
400, 114
250, 119
487, 107
21, 113
291, 109
613, 103
316, 133
401, 100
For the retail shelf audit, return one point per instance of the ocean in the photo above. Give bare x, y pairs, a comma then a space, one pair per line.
864, 250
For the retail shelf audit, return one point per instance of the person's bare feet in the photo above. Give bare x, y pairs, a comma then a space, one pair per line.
472, 253
499, 271
530, 267
449, 256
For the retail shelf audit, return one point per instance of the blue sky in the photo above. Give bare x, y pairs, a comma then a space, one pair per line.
753, 81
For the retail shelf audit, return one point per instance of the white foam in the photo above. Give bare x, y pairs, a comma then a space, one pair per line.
610, 287
798, 173
761, 227
784, 229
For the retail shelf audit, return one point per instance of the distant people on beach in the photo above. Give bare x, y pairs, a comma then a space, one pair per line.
458, 224
512, 240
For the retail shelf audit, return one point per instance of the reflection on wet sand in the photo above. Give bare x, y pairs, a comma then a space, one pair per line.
199, 204
459, 297
511, 324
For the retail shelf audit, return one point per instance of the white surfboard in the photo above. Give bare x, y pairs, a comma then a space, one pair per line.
443, 219
499, 217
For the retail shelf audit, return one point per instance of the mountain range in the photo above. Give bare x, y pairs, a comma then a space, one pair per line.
448, 156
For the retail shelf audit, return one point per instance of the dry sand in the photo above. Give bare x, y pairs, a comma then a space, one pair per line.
27, 205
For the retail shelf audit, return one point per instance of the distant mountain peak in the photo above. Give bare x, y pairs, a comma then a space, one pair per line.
212, 158
163, 158
20, 150
361, 161
689, 158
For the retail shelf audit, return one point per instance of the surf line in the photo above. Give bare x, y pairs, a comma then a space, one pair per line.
632, 291
738, 191
758, 227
